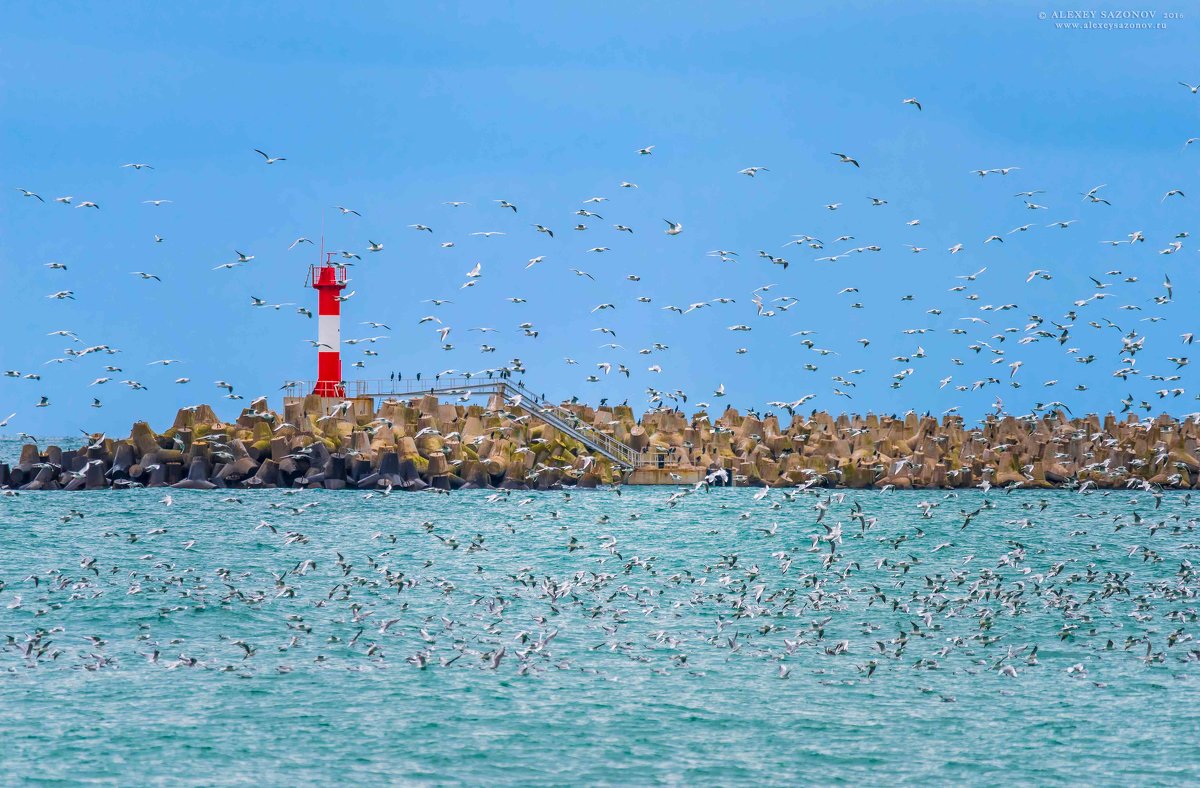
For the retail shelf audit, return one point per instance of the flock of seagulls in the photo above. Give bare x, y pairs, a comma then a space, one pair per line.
833, 587
928, 591
1103, 318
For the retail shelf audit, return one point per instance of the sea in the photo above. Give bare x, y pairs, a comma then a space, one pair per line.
659, 635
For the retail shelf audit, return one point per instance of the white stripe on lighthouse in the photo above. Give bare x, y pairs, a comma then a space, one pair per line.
329, 333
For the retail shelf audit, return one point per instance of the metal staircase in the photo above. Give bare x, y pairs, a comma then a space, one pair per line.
565, 421
514, 394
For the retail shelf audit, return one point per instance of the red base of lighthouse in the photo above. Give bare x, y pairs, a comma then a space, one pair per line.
329, 375
327, 388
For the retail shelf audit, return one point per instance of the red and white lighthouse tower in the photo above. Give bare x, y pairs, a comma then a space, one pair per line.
329, 280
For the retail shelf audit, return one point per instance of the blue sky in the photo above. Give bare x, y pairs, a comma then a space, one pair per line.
392, 111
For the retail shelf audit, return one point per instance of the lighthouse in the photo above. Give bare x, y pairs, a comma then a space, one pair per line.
329, 280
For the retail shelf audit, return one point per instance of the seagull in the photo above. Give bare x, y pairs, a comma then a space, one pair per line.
1193, 88
145, 275
646, 150
845, 159
912, 101
752, 171
673, 228
269, 159
346, 211
137, 166
28, 193
156, 203
297, 242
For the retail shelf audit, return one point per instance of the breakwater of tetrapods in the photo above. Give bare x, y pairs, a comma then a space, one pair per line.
422, 443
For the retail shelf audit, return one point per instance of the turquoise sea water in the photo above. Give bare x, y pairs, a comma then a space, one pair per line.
656, 660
